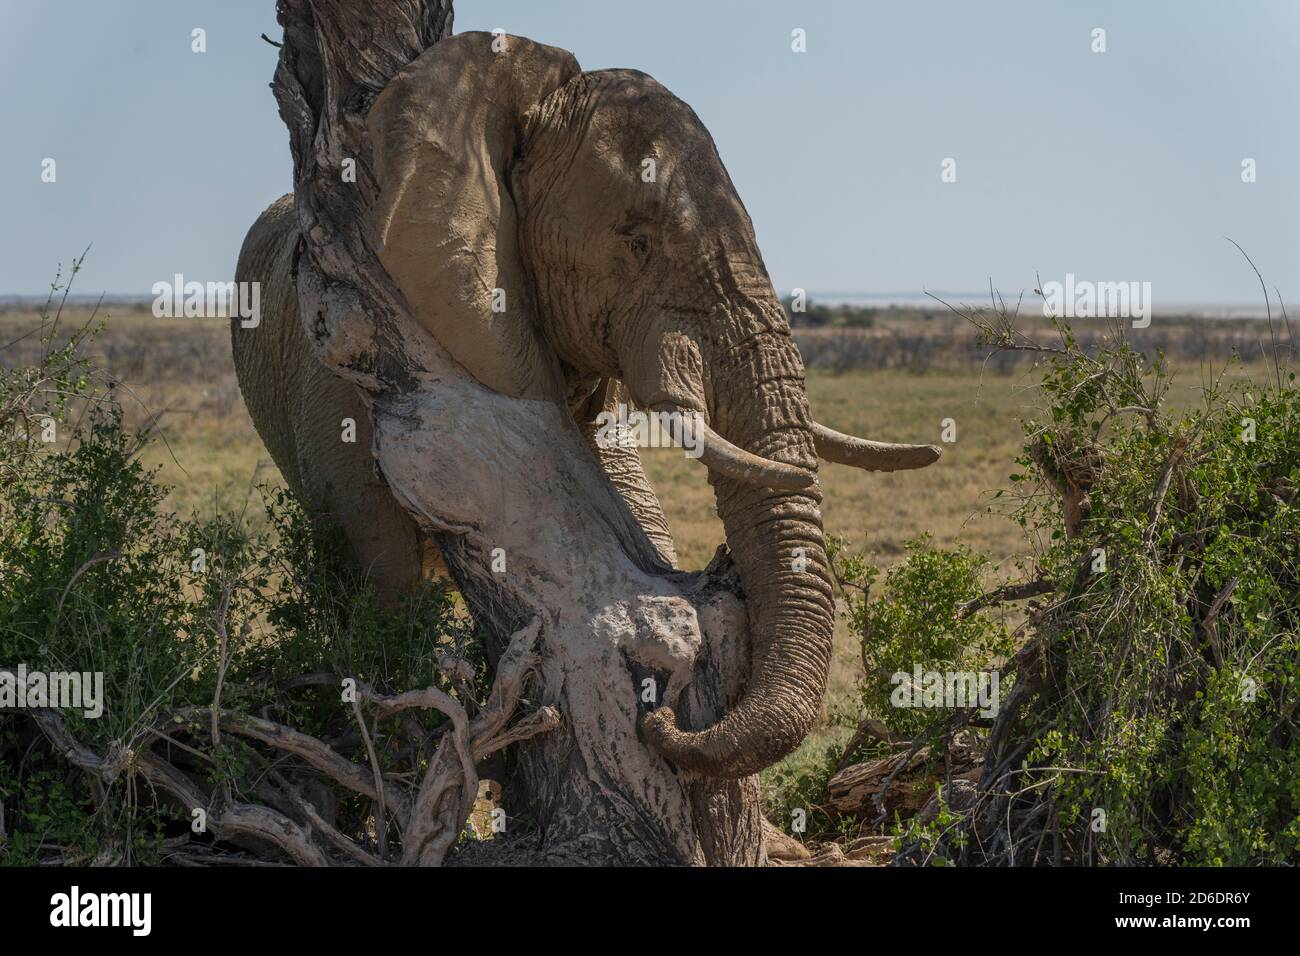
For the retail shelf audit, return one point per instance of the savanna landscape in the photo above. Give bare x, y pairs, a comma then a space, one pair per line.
872, 371
340, 530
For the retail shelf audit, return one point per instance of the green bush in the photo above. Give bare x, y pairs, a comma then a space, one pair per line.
794, 794
1152, 716
1174, 716
96, 577
1153, 688
918, 621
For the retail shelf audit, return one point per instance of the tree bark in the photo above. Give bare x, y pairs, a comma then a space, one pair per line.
494, 478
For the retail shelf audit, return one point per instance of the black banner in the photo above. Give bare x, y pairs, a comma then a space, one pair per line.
273, 905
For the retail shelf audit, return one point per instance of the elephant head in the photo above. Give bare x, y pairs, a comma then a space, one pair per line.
596, 205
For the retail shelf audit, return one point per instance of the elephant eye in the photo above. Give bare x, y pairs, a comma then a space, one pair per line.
635, 238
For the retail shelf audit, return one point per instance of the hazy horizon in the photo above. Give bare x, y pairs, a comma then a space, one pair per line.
1216, 310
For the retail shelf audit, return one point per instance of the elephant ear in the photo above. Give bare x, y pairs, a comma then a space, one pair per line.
444, 132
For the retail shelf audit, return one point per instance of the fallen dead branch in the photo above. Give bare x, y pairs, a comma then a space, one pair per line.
286, 823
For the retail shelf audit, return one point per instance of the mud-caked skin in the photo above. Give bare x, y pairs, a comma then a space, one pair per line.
596, 206
300, 408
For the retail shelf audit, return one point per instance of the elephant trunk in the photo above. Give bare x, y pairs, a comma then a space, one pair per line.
758, 403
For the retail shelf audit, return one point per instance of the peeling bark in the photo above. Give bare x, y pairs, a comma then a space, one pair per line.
481, 472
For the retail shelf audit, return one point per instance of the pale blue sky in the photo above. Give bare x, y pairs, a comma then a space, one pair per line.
1122, 165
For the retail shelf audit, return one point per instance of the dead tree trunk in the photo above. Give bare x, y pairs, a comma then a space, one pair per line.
491, 476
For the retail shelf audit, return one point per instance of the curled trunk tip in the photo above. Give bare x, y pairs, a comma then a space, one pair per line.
730, 749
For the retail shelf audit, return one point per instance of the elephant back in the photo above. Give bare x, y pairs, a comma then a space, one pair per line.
270, 358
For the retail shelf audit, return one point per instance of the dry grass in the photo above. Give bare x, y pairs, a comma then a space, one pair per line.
180, 372
882, 511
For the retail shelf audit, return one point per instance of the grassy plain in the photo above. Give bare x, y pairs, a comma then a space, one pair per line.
178, 372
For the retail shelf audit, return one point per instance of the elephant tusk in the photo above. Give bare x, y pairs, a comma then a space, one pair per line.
718, 454
844, 449
727, 459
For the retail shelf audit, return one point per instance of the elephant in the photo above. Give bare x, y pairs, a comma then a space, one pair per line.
575, 236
